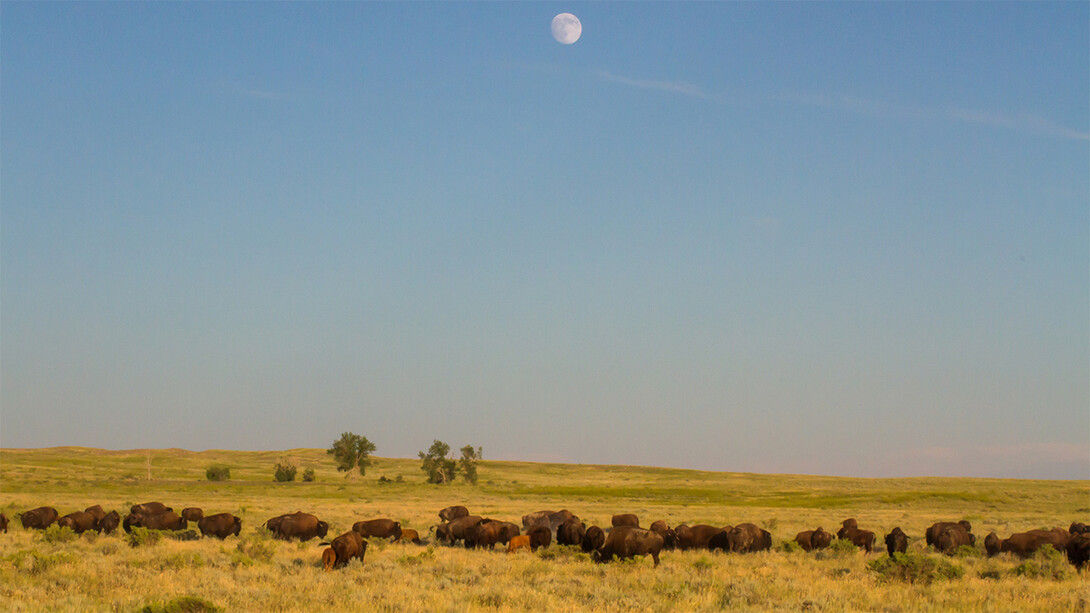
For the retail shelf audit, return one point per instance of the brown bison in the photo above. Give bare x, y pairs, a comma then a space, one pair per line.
627, 542
951, 537
1078, 549
452, 513
489, 532
109, 522
540, 536
220, 525
329, 557
149, 508
992, 544
696, 537
1024, 544
519, 542
571, 532
39, 518
192, 514
1077, 527
896, 541
78, 521
167, 520
3, 523
97, 512
669, 537
743, 538
850, 531
625, 519
932, 534
298, 525
549, 519
408, 534
810, 540
593, 538
345, 547
378, 528
455, 530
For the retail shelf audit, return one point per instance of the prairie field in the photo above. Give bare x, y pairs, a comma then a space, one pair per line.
53, 571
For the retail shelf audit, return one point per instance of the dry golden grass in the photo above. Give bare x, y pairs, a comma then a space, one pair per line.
256, 573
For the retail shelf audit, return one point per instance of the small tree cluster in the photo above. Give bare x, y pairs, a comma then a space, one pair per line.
440, 468
285, 470
218, 472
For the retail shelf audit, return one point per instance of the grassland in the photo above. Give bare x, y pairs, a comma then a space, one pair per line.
255, 573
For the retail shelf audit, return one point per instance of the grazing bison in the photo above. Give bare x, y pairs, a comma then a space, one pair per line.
408, 534
669, 537
519, 542
1078, 549
744, 538
78, 521
571, 532
627, 542
810, 540
951, 537
452, 513
455, 530
97, 512
302, 526
896, 541
1024, 544
220, 525
39, 518
1077, 527
3, 523
540, 536
992, 544
932, 534
345, 547
192, 514
109, 522
625, 519
378, 528
549, 519
489, 532
594, 538
698, 536
167, 520
149, 508
850, 531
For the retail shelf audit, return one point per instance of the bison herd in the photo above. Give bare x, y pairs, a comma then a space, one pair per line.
623, 539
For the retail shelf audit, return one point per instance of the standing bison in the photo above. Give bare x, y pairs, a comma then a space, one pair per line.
540, 536
149, 508
489, 532
39, 518
932, 534
1078, 550
627, 542
896, 541
345, 547
452, 513
78, 521
571, 532
625, 519
455, 530
378, 528
192, 514
669, 536
743, 538
850, 531
298, 525
810, 540
696, 537
220, 525
951, 537
594, 538
3, 523
549, 519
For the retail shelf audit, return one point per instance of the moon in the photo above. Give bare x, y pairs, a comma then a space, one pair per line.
566, 28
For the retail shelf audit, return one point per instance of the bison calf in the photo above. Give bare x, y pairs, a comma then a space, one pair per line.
521, 541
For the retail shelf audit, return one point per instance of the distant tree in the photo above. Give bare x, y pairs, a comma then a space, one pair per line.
285, 470
468, 463
352, 452
436, 464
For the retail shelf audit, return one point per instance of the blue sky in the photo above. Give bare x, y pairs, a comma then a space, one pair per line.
832, 238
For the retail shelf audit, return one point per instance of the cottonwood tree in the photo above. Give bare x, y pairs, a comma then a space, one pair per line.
436, 464
352, 452
468, 463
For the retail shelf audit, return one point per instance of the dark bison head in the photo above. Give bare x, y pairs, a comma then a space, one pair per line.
323, 529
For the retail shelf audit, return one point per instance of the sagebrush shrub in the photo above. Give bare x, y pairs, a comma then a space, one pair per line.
915, 568
285, 471
218, 472
55, 534
308, 475
142, 536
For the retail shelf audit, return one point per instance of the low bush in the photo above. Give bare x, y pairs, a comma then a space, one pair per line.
915, 568
55, 534
218, 472
1047, 563
143, 537
285, 470
183, 604
308, 475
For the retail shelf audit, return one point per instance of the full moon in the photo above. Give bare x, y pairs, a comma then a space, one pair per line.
566, 28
